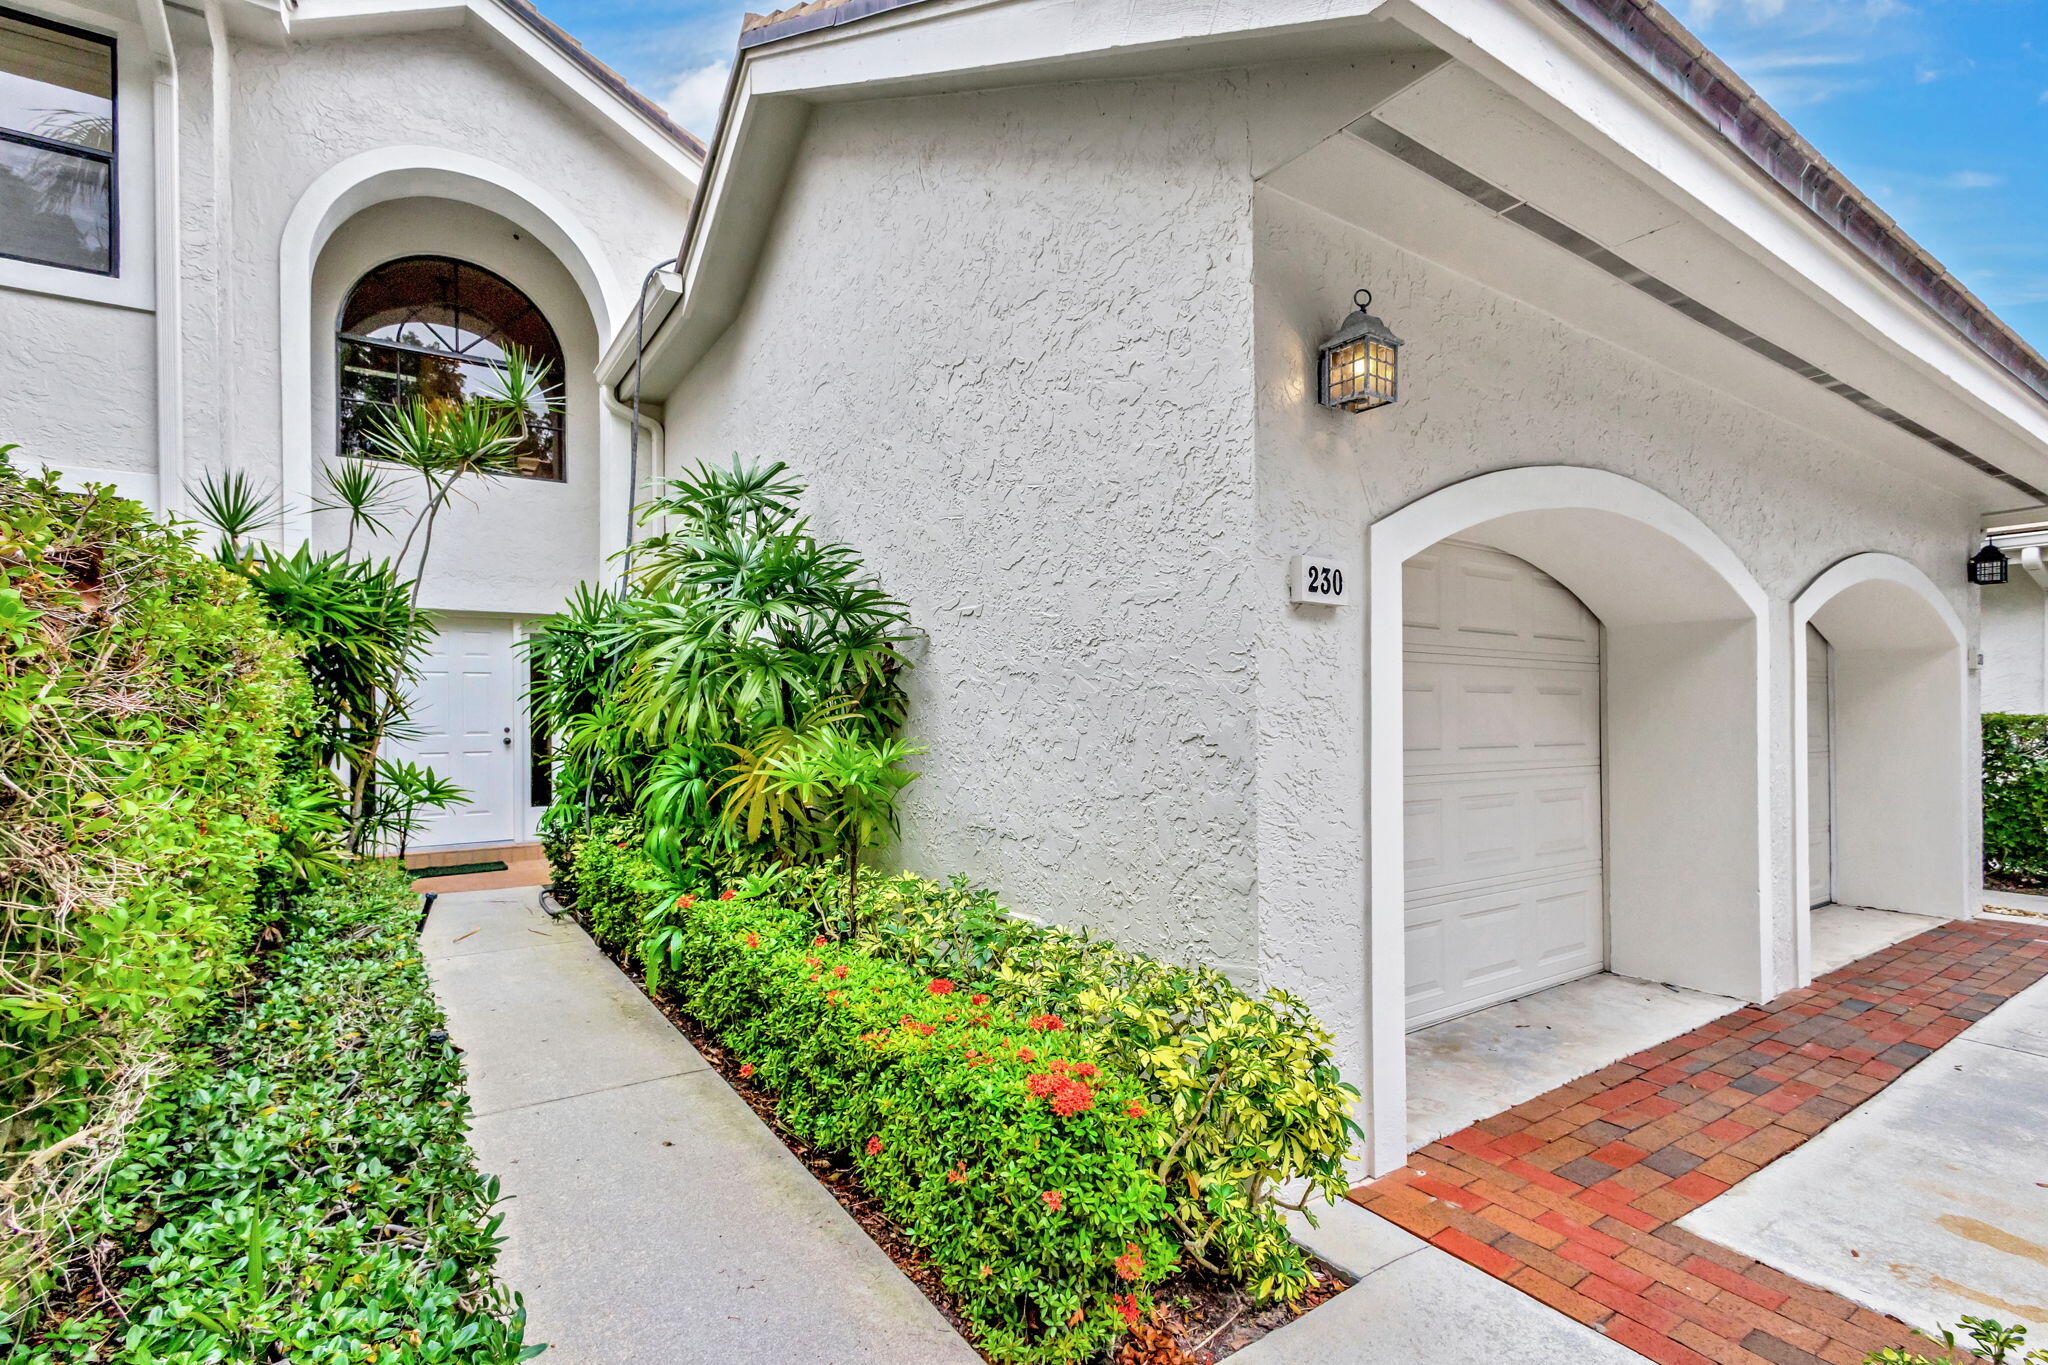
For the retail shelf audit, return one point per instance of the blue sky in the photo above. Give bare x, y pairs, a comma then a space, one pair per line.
1938, 109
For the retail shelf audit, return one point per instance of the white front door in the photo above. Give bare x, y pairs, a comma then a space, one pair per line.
467, 712
1820, 769
1505, 890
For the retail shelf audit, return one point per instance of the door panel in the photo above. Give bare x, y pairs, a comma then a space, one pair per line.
466, 707
1502, 726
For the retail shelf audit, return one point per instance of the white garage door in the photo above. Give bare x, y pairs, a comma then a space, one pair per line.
1502, 709
467, 712
1820, 769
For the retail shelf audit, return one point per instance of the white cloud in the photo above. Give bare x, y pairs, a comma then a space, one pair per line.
693, 98
1972, 180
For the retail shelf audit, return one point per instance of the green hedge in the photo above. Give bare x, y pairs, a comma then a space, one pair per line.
301, 1188
970, 1063
144, 702
2016, 797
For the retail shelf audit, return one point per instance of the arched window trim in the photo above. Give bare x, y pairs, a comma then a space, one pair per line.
559, 422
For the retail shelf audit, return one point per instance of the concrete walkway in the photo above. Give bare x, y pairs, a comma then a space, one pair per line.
1417, 1305
651, 1217
1927, 1203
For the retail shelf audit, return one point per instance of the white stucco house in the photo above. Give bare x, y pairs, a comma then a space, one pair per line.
1655, 630
226, 226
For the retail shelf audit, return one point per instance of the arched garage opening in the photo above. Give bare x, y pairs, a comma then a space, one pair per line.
1680, 734
1896, 790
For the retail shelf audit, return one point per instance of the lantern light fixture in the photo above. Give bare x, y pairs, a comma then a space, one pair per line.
1989, 565
1359, 367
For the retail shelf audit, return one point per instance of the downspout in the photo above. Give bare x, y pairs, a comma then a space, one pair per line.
657, 446
223, 226
170, 309
633, 446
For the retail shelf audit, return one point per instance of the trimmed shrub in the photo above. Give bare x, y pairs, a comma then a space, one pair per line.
1006, 1147
301, 1189
1249, 1089
2016, 797
1238, 1097
144, 705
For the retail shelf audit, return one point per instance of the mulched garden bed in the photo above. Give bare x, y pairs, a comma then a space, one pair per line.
1200, 1318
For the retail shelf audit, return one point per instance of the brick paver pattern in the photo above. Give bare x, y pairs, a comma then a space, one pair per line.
1572, 1197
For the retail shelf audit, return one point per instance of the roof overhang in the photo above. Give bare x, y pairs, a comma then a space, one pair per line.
1807, 269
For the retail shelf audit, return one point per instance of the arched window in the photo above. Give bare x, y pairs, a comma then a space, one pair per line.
430, 327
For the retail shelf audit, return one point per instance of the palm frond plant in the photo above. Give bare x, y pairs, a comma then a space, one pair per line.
397, 796
443, 444
359, 621
360, 634
747, 619
236, 506
364, 494
738, 694
835, 784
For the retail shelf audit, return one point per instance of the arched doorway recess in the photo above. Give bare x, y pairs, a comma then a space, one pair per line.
1684, 739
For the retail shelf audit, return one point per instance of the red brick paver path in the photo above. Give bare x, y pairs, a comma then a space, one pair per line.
1572, 1196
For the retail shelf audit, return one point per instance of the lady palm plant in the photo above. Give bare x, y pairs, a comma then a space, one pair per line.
746, 619
837, 785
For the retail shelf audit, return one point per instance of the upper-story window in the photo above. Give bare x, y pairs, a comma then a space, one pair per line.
56, 144
429, 327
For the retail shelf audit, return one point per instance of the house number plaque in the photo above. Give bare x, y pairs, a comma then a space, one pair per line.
1322, 581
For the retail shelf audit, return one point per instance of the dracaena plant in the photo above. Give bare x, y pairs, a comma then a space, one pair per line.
358, 620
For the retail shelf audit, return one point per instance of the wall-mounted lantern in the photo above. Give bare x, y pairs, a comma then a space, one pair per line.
1360, 365
1989, 565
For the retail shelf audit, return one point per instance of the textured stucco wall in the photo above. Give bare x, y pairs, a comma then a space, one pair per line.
507, 544
1489, 383
1007, 340
77, 382
2012, 644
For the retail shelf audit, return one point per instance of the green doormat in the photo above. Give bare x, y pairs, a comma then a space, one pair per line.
456, 869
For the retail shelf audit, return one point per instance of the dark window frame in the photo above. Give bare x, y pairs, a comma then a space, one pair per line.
110, 158
558, 421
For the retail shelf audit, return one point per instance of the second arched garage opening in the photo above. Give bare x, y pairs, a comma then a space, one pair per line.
1608, 654
1877, 826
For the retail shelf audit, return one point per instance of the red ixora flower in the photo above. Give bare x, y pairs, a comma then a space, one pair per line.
940, 986
958, 1175
1126, 1306
746, 1069
840, 971
753, 940
1025, 1054
1135, 1110
1131, 1264
1073, 1097
977, 1000
818, 942
1046, 1023
1053, 1199
874, 1146
684, 902
728, 894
